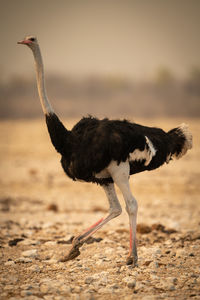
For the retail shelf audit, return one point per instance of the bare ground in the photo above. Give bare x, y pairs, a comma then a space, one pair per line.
41, 209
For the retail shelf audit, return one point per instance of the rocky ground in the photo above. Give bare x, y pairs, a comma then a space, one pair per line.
41, 210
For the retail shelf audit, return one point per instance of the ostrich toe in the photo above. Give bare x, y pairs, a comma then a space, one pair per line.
132, 260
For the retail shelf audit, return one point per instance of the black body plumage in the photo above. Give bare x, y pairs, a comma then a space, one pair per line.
92, 144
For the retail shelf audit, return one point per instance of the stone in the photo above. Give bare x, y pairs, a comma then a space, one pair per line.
50, 243
48, 297
9, 263
44, 288
154, 277
29, 242
50, 261
24, 260
47, 225
168, 283
104, 273
181, 252
74, 297
104, 290
13, 279
65, 289
140, 285
35, 268
115, 286
100, 262
26, 293
195, 236
107, 241
154, 264
103, 280
30, 253
8, 287
89, 279
109, 251
131, 284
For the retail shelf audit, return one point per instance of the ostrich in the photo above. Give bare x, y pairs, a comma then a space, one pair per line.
107, 152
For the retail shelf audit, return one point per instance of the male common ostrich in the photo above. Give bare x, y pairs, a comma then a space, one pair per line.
107, 152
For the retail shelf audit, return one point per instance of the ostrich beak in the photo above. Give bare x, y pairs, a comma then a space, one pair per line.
24, 42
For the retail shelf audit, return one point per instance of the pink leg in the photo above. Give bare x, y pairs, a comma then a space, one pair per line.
115, 210
91, 228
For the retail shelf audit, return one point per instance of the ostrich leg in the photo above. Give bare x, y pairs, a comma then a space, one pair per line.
114, 211
120, 175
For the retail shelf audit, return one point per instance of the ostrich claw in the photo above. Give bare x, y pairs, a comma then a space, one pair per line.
74, 251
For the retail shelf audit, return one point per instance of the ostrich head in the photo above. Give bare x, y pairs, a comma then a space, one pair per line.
30, 41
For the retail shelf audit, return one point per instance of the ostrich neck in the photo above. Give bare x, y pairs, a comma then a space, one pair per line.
46, 106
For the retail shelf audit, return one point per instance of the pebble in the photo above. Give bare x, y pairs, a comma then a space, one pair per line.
195, 235
103, 273
9, 263
26, 293
154, 264
29, 242
89, 279
115, 286
30, 253
168, 283
24, 260
50, 243
48, 297
60, 298
168, 243
75, 297
107, 241
150, 252
50, 261
103, 281
154, 277
13, 279
173, 280
140, 285
65, 289
109, 251
104, 290
47, 225
130, 282
8, 287
35, 268
100, 262
44, 288
180, 252
123, 268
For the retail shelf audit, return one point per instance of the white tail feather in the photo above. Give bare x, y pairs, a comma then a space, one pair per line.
183, 128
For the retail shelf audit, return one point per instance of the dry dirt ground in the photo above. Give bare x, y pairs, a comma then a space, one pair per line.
41, 209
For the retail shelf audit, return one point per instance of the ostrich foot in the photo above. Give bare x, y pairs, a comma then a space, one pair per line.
74, 251
132, 260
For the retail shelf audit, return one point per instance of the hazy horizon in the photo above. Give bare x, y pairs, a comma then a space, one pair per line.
80, 38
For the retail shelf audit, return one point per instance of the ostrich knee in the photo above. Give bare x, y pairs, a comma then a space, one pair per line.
131, 206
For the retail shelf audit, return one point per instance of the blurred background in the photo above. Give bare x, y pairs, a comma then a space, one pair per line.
115, 58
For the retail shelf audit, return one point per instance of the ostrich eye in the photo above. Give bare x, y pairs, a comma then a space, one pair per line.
32, 39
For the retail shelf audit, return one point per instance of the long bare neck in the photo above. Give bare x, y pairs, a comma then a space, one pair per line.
46, 106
